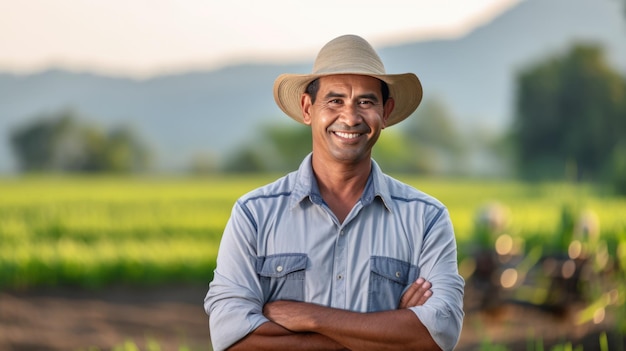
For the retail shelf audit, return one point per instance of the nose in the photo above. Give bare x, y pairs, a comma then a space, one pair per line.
351, 114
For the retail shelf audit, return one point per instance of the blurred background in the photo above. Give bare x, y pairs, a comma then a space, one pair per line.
128, 130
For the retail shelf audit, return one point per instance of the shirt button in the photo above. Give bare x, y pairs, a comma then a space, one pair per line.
279, 269
398, 274
341, 233
339, 276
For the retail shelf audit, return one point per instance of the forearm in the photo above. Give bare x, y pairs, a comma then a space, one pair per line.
271, 336
389, 330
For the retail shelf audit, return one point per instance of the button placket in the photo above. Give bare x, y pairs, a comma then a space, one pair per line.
340, 264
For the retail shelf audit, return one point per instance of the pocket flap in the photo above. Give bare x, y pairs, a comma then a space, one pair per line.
281, 264
391, 268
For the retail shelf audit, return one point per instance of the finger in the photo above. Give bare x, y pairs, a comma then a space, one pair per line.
417, 294
408, 296
425, 296
421, 294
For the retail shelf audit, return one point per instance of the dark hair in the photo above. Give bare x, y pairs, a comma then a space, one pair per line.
314, 86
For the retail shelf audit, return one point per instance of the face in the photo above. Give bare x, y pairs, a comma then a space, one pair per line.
347, 117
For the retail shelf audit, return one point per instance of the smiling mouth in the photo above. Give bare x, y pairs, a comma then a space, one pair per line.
347, 135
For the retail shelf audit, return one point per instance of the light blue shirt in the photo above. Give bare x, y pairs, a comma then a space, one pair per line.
282, 242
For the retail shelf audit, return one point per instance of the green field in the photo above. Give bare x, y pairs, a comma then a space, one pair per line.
96, 231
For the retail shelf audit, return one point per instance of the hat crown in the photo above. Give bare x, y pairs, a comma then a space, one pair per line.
348, 54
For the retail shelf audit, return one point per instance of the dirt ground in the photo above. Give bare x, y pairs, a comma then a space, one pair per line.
172, 316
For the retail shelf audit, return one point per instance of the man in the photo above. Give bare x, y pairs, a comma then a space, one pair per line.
338, 255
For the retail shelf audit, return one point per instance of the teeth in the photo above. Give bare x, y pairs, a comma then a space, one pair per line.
348, 135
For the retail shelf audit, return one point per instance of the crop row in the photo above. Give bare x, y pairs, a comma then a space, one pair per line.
101, 230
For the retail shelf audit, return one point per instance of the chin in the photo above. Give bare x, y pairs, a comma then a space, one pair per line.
346, 157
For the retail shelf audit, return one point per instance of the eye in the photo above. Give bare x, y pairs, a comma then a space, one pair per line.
335, 101
366, 103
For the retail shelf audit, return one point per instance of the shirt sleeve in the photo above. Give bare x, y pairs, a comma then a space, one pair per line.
234, 301
443, 313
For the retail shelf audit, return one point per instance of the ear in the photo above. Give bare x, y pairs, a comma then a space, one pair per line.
387, 109
305, 104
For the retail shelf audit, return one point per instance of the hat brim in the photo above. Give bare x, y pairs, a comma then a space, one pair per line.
405, 89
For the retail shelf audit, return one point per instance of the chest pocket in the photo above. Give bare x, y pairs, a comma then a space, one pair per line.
282, 276
388, 279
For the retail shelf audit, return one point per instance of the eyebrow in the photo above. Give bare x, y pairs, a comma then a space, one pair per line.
370, 96
332, 94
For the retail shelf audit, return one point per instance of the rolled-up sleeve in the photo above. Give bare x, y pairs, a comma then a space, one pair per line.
234, 301
443, 313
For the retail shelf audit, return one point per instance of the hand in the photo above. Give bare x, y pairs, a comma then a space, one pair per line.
417, 294
289, 314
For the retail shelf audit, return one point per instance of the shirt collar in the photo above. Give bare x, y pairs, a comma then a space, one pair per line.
306, 186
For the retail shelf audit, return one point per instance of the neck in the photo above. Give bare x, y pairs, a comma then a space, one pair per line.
341, 185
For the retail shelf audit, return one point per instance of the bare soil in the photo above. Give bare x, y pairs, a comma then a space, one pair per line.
173, 316
64, 319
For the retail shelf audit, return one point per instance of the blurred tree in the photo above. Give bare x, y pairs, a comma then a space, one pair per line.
434, 140
31, 144
124, 152
278, 148
618, 168
570, 115
60, 142
393, 153
246, 159
289, 144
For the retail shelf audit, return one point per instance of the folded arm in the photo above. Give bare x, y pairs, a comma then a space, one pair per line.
306, 326
271, 336
388, 330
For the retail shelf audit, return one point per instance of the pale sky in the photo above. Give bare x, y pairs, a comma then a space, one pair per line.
146, 37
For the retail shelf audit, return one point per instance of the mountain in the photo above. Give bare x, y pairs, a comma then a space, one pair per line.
476, 74
214, 111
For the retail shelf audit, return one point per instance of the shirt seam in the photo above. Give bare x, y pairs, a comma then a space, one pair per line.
394, 197
248, 213
432, 223
440, 210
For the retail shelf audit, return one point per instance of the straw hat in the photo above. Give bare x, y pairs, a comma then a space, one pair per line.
349, 54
